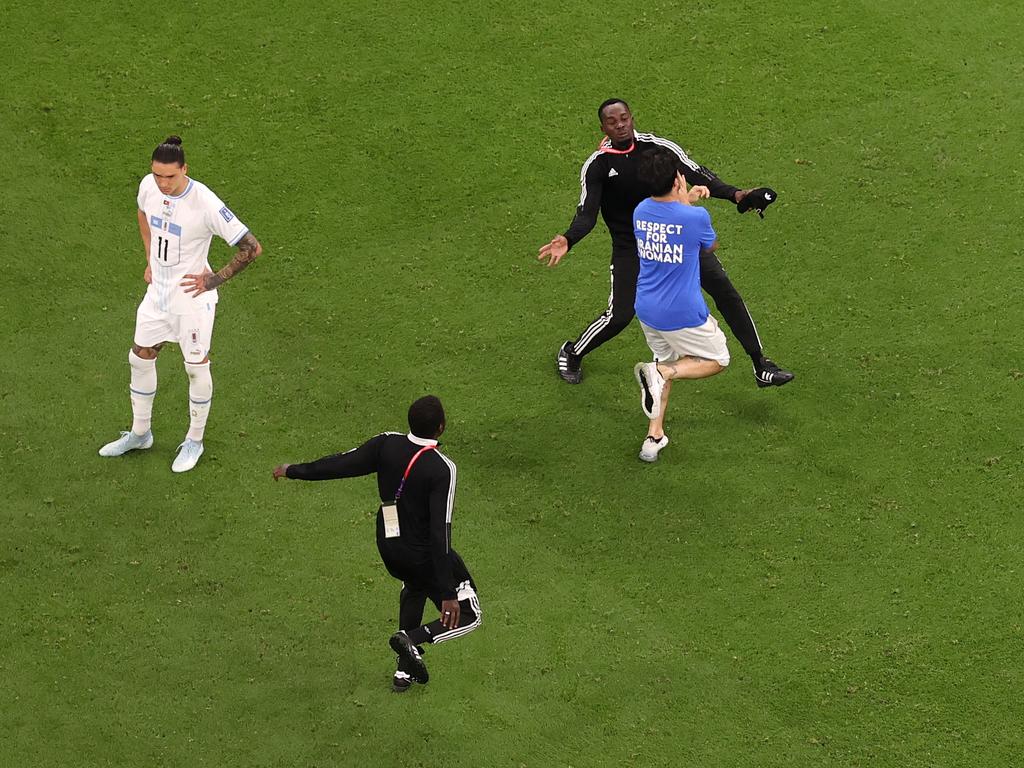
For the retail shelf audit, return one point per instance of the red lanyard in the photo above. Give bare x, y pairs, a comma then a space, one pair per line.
408, 469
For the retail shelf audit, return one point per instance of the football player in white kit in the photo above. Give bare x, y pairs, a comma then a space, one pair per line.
178, 218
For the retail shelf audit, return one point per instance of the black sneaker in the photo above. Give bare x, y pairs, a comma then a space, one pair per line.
401, 682
402, 679
410, 657
569, 364
768, 374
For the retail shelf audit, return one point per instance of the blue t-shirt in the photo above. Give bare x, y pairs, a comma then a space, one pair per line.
669, 237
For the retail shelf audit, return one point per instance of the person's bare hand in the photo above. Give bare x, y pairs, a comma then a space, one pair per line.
450, 614
197, 284
148, 275
697, 193
554, 251
281, 470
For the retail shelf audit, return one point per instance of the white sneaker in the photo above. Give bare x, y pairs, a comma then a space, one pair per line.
128, 441
651, 385
652, 447
188, 455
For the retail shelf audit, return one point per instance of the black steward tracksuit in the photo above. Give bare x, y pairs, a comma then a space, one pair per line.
421, 557
609, 184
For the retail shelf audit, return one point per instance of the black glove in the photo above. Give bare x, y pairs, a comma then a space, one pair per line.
757, 200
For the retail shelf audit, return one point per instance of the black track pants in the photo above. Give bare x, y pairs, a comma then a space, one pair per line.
730, 304
625, 268
413, 599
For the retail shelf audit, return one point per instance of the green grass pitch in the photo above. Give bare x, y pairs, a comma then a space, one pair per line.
827, 574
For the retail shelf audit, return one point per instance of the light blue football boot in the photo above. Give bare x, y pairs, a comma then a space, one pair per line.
188, 455
128, 441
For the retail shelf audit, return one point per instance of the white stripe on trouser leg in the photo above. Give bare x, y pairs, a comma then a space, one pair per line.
754, 326
602, 322
745, 310
588, 335
142, 388
200, 394
466, 592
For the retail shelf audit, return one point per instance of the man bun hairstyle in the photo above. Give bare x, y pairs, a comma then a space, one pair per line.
170, 151
657, 170
608, 103
426, 417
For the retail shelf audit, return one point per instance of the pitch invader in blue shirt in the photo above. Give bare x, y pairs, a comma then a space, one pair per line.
671, 234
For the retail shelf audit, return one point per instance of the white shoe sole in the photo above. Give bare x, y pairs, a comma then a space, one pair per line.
645, 385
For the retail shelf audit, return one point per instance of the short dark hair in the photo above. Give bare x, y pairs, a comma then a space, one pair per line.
170, 151
608, 103
657, 170
426, 417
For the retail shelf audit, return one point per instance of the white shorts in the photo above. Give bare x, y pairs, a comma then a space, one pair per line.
705, 341
192, 332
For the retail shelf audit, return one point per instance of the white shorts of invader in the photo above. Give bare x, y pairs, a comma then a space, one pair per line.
705, 341
192, 332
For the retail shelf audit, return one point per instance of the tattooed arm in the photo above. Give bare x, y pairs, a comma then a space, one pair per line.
248, 249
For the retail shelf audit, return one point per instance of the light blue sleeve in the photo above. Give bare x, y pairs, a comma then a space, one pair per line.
708, 235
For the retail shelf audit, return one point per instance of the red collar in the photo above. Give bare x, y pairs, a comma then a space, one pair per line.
609, 149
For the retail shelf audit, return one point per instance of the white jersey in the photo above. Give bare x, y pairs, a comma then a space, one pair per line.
181, 228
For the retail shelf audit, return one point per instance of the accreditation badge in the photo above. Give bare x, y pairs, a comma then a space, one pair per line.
390, 511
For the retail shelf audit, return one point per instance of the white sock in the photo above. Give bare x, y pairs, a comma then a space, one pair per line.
142, 388
200, 394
